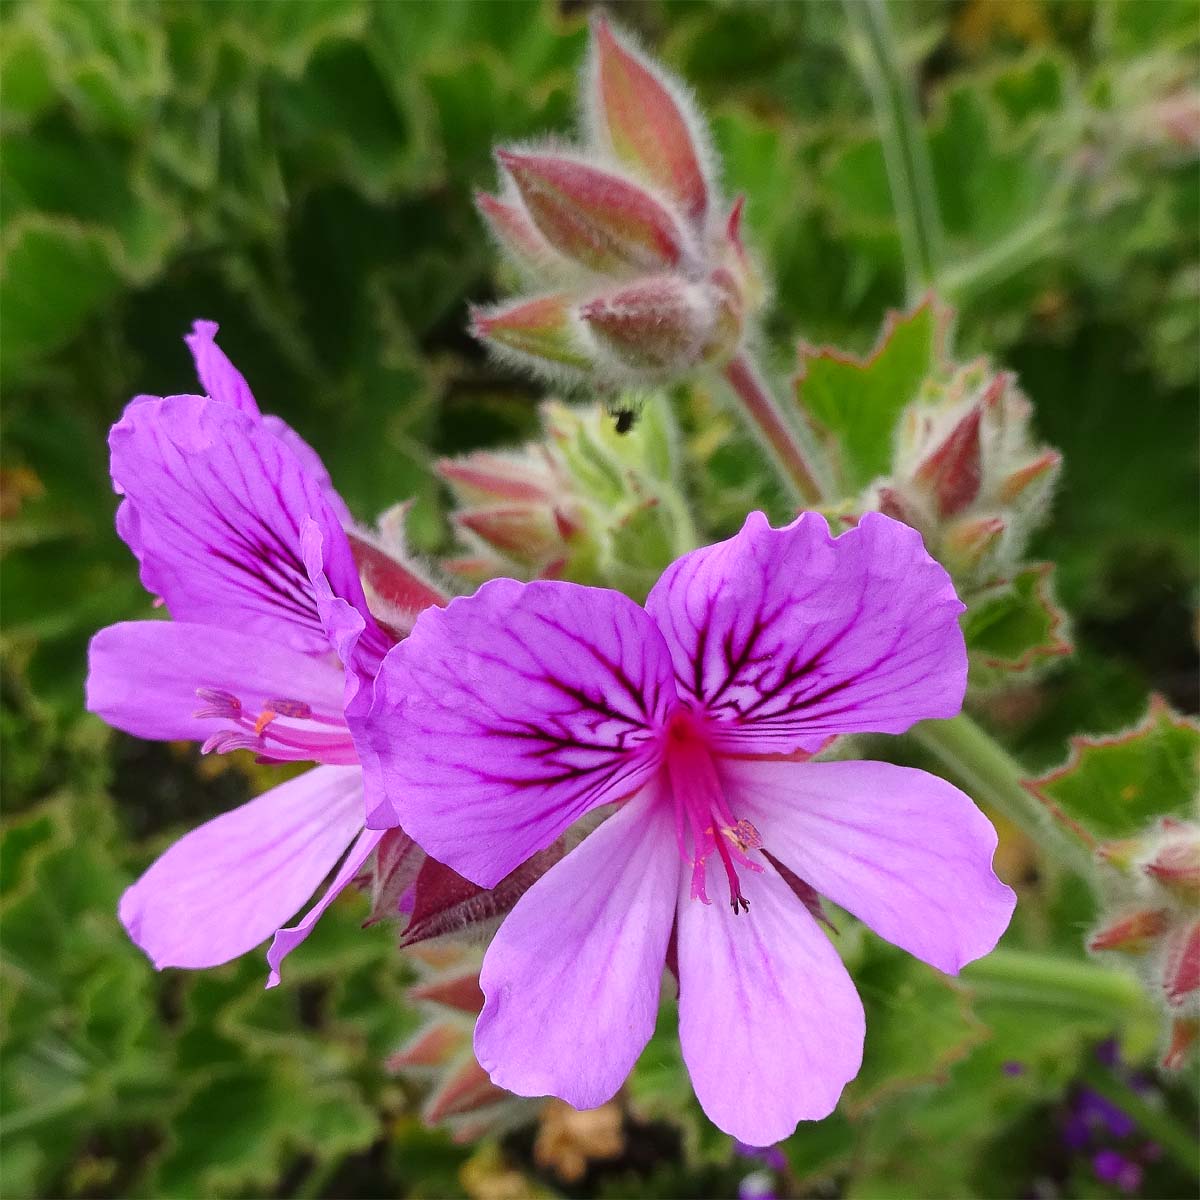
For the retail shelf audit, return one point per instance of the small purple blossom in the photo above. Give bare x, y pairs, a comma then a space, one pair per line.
238, 530
505, 717
1114, 1168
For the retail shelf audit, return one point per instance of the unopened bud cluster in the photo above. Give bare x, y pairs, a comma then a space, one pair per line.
586, 503
1155, 921
639, 273
438, 1058
967, 473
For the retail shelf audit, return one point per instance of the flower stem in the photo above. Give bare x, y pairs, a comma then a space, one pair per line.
1053, 981
991, 775
772, 427
906, 156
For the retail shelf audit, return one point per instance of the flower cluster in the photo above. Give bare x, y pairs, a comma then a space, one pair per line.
642, 274
968, 474
1155, 921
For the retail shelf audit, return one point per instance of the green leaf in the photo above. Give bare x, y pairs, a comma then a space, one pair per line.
919, 1023
854, 403
53, 275
1015, 628
1115, 786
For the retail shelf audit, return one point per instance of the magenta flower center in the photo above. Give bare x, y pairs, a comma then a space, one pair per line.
705, 825
282, 728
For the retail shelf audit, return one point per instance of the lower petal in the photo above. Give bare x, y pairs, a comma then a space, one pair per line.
572, 978
286, 940
770, 1025
904, 851
143, 677
227, 886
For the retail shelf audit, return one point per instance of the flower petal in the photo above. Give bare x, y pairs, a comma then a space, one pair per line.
286, 940
218, 376
770, 1025
904, 851
213, 507
143, 677
228, 885
786, 636
508, 714
572, 978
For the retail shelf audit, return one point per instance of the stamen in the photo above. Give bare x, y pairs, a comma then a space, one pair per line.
703, 819
291, 708
218, 703
264, 719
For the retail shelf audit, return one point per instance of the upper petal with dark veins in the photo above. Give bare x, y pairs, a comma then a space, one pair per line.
784, 637
213, 506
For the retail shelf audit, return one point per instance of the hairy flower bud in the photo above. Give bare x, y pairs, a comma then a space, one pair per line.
967, 473
602, 220
646, 120
646, 277
1155, 887
655, 324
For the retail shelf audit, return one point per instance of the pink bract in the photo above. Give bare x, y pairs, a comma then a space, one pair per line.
505, 717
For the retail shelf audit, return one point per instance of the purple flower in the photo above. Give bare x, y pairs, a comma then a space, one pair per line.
237, 529
505, 717
1114, 1168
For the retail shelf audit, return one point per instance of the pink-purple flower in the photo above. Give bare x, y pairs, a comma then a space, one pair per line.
239, 532
507, 716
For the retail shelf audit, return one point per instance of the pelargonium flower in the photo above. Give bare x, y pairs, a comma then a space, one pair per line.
505, 717
239, 532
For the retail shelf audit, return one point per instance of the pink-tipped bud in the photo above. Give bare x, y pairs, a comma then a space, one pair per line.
514, 231
1044, 467
645, 119
1181, 968
1176, 866
467, 1089
953, 471
968, 542
1132, 932
540, 330
656, 324
484, 476
460, 992
524, 532
604, 221
431, 1047
396, 591
1185, 1032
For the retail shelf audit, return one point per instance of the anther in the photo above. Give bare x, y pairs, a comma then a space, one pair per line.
290, 708
218, 703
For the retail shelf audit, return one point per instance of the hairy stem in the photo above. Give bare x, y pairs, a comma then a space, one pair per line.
991, 775
902, 136
1052, 981
776, 433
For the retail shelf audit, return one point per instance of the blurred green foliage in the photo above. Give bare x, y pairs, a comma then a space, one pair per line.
301, 171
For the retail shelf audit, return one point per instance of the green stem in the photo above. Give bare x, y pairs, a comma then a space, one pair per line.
773, 428
1051, 981
992, 776
902, 135
1159, 1123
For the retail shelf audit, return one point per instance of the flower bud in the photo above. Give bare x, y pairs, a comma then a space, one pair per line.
1185, 1032
645, 119
515, 233
656, 324
1132, 933
1176, 865
1181, 967
540, 332
601, 220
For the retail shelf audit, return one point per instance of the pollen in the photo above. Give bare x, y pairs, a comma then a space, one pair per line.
264, 719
